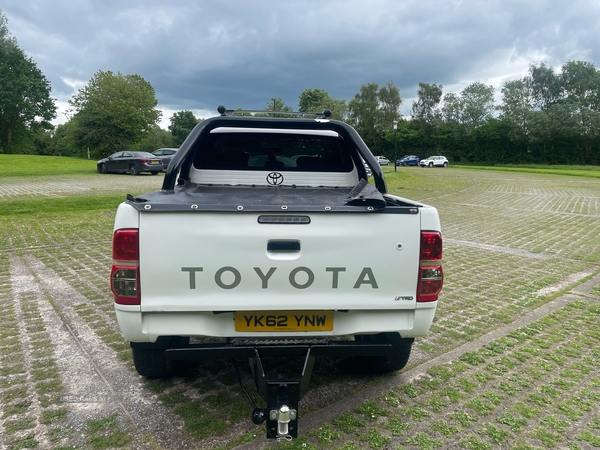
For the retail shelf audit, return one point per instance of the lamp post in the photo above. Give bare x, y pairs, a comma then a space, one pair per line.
395, 124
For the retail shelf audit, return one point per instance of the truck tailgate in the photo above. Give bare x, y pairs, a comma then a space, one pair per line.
221, 261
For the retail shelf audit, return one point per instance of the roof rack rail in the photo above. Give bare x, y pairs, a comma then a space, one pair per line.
326, 114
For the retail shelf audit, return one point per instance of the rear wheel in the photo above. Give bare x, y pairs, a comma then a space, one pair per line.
395, 360
430, 164
150, 361
133, 170
445, 164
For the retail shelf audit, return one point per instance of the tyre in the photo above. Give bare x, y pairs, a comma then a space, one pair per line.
150, 361
103, 169
133, 170
430, 165
445, 164
395, 360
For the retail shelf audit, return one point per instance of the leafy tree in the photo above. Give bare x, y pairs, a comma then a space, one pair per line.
580, 91
25, 102
113, 112
580, 83
491, 143
516, 113
311, 100
275, 104
425, 109
544, 85
477, 104
156, 138
517, 101
426, 119
555, 115
182, 123
389, 105
62, 144
363, 114
4, 32
472, 107
452, 108
318, 100
42, 141
372, 112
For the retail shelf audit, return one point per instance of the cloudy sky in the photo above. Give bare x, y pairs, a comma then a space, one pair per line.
198, 54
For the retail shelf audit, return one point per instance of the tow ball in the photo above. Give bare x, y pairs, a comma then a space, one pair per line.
282, 417
282, 398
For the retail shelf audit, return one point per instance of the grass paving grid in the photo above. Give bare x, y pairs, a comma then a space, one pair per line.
74, 246
536, 387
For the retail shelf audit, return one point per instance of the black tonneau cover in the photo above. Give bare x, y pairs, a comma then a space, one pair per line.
193, 197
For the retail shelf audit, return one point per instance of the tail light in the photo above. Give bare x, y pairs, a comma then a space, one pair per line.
125, 271
144, 160
431, 276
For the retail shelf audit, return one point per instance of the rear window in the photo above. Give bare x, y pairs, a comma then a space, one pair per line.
274, 151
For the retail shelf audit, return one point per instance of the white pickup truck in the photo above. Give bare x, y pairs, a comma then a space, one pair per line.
267, 230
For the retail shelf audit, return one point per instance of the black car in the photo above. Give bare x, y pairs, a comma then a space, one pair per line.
165, 154
132, 162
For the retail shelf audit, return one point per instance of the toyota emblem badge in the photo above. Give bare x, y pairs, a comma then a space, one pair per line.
274, 178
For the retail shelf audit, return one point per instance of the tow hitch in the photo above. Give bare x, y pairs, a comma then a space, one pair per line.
281, 396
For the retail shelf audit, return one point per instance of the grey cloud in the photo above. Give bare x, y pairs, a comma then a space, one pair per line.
200, 54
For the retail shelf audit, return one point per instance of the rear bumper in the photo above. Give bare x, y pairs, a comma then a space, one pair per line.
152, 167
147, 327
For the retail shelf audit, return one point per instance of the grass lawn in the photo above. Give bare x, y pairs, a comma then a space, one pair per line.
575, 171
35, 165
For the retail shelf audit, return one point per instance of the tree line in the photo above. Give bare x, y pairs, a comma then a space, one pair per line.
549, 116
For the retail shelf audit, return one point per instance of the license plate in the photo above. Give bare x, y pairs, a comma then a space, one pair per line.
154, 162
284, 321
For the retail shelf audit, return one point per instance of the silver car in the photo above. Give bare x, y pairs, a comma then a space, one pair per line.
165, 154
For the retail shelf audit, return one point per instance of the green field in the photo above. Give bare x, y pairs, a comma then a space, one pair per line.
33, 165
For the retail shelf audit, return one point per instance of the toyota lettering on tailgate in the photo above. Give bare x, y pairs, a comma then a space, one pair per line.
229, 277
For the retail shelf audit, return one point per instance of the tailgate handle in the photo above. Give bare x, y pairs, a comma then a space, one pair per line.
283, 246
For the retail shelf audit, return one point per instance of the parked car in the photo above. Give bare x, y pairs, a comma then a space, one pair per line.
408, 160
132, 162
438, 161
165, 154
382, 160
